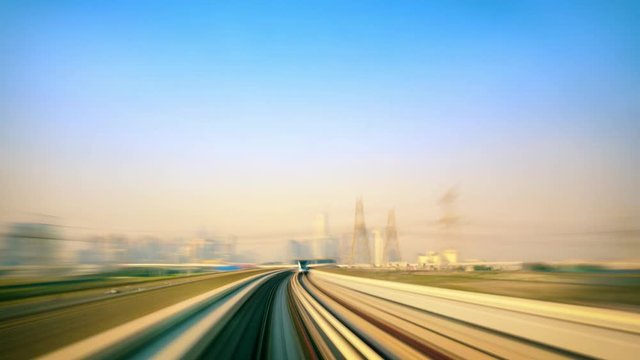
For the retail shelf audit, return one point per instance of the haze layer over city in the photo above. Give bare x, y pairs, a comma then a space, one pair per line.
249, 120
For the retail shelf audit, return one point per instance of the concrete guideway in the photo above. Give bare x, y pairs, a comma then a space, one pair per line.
330, 337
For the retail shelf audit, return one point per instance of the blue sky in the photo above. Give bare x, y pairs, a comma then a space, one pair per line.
215, 102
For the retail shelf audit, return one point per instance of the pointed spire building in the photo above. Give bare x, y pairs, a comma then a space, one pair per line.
360, 252
391, 246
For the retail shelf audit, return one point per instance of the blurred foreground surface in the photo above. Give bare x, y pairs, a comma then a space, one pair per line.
325, 312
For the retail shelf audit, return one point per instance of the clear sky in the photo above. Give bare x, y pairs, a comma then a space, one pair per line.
250, 117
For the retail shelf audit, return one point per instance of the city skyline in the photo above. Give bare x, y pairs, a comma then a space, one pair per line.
432, 235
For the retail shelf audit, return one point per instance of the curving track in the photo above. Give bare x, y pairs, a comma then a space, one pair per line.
262, 328
288, 315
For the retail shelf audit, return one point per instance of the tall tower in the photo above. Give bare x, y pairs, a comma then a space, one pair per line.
449, 221
320, 241
378, 247
360, 252
391, 246
322, 225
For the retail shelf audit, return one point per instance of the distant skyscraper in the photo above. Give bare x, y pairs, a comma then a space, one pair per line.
449, 221
327, 244
321, 237
322, 225
391, 246
378, 247
294, 249
360, 252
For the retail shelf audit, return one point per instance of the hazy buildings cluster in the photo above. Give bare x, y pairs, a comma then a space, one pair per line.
45, 245
322, 245
352, 247
31, 244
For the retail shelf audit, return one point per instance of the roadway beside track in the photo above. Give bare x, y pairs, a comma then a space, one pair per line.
42, 303
33, 335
